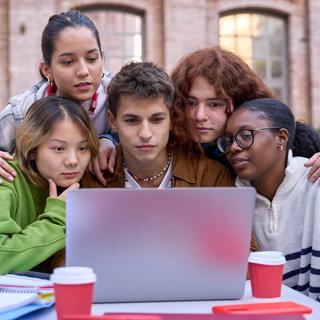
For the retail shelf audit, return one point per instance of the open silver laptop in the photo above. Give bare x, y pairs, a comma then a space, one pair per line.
162, 245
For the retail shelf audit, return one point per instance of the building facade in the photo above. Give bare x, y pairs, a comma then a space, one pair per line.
278, 39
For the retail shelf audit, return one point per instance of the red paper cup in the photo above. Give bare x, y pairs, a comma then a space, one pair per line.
266, 269
73, 289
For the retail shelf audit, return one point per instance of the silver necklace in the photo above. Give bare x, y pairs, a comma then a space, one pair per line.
147, 179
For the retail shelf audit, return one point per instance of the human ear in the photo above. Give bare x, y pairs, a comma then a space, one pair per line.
112, 121
170, 119
283, 136
229, 107
46, 70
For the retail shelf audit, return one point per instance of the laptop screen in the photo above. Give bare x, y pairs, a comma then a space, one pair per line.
162, 244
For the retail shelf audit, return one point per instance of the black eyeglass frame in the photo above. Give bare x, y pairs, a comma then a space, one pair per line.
234, 138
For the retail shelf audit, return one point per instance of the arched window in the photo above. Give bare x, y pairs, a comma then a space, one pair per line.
121, 35
260, 39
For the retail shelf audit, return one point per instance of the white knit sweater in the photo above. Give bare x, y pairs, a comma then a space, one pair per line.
291, 224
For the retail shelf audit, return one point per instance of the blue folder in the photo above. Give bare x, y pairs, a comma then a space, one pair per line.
19, 312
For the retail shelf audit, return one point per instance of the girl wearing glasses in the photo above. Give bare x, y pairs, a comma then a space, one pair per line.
258, 140
209, 84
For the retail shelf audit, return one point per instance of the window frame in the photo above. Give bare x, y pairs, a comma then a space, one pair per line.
271, 82
122, 9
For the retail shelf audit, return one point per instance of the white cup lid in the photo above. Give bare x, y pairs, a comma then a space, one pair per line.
267, 257
73, 275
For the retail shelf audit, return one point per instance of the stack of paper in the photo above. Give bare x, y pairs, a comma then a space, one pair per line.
18, 283
11, 300
21, 294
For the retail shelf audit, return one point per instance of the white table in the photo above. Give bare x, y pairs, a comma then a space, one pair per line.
188, 306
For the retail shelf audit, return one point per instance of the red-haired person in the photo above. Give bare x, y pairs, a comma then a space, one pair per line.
209, 84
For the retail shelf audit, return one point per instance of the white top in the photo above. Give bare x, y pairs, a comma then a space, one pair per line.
291, 224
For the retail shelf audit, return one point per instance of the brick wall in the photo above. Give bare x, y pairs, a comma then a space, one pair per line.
298, 75
4, 81
153, 13
26, 21
314, 33
184, 28
172, 29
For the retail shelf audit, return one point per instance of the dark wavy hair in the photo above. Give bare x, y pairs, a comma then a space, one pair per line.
231, 77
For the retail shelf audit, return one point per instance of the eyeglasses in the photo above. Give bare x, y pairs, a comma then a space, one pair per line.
244, 138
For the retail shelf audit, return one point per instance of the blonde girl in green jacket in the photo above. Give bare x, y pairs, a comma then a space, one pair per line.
55, 143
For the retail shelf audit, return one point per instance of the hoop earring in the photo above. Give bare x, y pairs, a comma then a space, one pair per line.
280, 147
102, 74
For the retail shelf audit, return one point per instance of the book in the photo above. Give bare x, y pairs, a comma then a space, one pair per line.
19, 312
10, 300
25, 284
21, 294
13, 280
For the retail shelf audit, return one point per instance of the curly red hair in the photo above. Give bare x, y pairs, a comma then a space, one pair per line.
233, 80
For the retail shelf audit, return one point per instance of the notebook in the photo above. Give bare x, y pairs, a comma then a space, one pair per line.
17, 313
161, 244
21, 280
26, 284
20, 295
12, 300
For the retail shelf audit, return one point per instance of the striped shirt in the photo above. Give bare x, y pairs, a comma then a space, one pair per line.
290, 223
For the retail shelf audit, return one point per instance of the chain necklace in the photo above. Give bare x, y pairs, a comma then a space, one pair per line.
147, 179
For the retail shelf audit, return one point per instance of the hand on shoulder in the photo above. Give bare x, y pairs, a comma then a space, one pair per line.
6, 171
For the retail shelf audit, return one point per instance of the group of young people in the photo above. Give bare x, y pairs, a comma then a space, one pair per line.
213, 120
